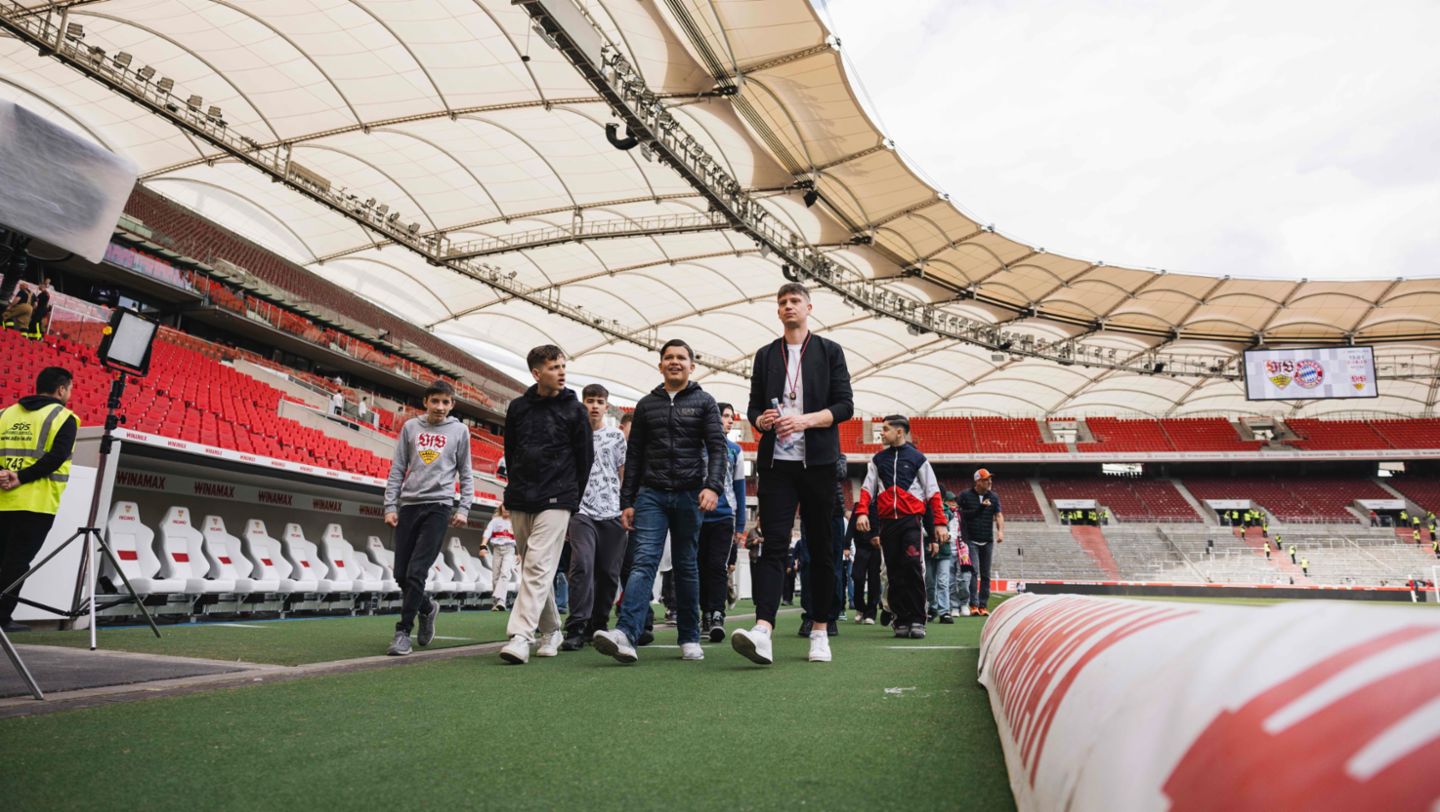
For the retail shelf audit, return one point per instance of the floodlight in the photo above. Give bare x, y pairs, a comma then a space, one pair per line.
127, 342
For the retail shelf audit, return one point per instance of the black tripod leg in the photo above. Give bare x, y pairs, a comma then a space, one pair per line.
20, 666
133, 596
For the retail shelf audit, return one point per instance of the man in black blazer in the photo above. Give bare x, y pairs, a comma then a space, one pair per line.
799, 396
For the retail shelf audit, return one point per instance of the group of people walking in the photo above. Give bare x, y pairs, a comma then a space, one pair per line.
674, 482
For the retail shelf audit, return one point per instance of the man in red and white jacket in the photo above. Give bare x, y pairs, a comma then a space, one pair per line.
901, 498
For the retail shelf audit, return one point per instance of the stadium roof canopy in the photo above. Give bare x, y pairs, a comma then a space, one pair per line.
447, 160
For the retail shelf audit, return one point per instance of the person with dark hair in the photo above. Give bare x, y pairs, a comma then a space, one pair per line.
799, 395
674, 473
901, 500
550, 449
720, 531
432, 455
37, 437
596, 538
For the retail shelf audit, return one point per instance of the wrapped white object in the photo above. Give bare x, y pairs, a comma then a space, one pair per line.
59, 187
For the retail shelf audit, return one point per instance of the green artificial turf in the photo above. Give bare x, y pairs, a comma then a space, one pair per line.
878, 728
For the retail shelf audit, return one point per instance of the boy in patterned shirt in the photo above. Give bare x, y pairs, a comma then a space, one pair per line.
596, 538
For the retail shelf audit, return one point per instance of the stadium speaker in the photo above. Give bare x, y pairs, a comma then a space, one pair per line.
59, 188
811, 198
1159, 367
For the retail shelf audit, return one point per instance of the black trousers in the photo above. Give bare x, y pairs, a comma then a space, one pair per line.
625, 566
866, 574
22, 534
981, 555
716, 540
903, 543
417, 542
597, 549
784, 487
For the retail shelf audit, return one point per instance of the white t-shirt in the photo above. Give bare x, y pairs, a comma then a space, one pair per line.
792, 406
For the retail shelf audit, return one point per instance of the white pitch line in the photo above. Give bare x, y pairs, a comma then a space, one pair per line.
242, 625
928, 648
443, 637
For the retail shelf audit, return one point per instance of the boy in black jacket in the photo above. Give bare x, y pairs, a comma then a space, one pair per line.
674, 471
548, 450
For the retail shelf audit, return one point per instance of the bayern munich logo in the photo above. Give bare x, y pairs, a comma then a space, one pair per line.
1309, 374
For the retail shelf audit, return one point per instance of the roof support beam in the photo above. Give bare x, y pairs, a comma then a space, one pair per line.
580, 230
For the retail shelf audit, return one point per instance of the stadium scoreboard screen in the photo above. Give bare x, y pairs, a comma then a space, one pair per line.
1319, 373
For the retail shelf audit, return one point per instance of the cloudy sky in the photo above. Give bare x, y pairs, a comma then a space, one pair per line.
1254, 138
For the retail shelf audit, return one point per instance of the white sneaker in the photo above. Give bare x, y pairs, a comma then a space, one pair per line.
964, 610
819, 647
754, 644
517, 651
869, 621
614, 643
550, 644
691, 651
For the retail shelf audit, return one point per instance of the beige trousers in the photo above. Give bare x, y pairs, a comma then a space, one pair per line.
539, 540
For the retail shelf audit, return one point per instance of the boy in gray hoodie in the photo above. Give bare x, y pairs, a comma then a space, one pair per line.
431, 454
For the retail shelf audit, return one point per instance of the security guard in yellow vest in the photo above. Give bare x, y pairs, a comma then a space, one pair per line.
37, 437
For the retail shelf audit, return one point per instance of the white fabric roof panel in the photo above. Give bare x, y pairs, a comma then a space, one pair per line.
429, 108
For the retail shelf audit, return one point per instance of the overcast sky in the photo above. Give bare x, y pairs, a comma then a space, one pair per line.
1248, 138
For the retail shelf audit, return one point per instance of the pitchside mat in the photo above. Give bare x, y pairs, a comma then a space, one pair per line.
1109, 704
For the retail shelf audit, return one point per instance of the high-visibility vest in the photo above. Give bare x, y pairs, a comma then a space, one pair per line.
25, 437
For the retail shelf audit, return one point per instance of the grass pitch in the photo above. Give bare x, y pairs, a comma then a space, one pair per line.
889, 724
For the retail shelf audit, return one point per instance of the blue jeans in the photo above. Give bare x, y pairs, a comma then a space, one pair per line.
938, 574
655, 513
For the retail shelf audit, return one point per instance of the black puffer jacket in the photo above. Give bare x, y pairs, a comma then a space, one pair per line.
548, 452
675, 445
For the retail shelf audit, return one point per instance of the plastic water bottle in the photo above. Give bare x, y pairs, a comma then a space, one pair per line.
783, 442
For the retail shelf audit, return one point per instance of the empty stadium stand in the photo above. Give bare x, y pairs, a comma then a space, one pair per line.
1301, 499
1128, 499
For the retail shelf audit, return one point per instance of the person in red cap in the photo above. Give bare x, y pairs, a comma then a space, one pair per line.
981, 523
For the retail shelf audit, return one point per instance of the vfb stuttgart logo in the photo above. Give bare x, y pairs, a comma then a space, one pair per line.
430, 446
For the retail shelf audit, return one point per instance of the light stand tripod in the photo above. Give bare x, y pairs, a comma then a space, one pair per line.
83, 601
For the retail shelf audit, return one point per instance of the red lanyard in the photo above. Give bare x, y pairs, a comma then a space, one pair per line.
791, 384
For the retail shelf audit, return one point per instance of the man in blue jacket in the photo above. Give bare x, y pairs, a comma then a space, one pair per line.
718, 536
674, 473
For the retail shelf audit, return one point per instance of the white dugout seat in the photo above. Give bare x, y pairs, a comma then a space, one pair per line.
384, 558
442, 578
344, 562
134, 546
463, 565
304, 556
228, 561
265, 553
182, 555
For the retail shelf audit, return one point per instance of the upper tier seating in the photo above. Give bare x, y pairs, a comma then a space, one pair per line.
1328, 435
1206, 434
1130, 500
1308, 499
1115, 434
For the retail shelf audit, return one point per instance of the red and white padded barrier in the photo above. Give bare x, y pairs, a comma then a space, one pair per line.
1107, 704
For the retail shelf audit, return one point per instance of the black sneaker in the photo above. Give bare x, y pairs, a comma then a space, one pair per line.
669, 615
902, 630
574, 642
832, 628
946, 618
917, 632
706, 622
885, 617
400, 646
646, 638
427, 623
717, 628
806, 626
